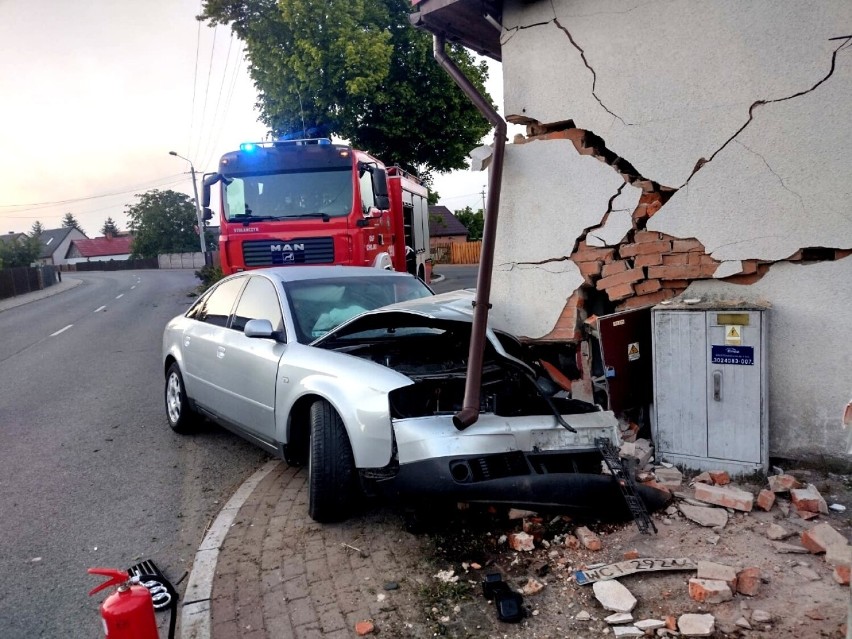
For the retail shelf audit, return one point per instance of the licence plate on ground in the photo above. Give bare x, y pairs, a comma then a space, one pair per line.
631, 566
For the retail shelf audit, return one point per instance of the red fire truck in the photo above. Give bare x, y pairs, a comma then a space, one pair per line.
292, 202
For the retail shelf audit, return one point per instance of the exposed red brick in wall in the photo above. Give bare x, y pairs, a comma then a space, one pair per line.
647, 267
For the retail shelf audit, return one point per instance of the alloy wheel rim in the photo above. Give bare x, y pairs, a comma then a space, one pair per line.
173, 398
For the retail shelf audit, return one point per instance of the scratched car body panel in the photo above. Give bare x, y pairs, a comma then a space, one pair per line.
375, 355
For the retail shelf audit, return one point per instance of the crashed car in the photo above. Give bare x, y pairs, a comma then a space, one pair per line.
357, 373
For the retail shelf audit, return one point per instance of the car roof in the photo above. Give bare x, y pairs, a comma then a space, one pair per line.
301, 273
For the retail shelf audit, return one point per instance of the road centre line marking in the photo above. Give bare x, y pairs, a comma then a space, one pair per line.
61, 330
98, 310
118, 297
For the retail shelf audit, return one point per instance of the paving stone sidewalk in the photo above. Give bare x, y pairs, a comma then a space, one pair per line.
282, 575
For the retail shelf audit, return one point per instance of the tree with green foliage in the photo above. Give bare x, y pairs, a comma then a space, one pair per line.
474, 222
358, 69
70, 222
110, 228
162, 222
22, 250
37, 229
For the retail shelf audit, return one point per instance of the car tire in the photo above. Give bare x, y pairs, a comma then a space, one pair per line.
182, 419
331, 466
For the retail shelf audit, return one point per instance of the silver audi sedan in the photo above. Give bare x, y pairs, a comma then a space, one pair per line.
357, 373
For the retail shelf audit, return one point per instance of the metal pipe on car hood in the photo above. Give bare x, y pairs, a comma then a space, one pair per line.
470, 406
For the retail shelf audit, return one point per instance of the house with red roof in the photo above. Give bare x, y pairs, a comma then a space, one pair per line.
100, 249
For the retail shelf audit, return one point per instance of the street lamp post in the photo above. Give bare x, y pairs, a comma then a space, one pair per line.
198, 213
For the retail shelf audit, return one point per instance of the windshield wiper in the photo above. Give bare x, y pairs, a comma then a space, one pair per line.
248, 219
324, 216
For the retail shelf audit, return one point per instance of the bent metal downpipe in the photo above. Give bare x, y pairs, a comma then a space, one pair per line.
470, 406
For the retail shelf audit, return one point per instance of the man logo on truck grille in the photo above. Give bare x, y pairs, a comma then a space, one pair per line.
289, 248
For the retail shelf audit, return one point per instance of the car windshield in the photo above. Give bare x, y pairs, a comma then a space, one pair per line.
293, 194
317, 306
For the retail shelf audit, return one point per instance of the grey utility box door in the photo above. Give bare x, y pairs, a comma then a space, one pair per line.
710, 404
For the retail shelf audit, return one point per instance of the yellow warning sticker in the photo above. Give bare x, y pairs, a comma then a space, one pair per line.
733, 335
633, 351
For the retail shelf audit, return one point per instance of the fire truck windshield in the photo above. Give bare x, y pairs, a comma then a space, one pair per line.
292, 194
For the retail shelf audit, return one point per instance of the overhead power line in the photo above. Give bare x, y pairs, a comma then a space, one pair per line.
149, 184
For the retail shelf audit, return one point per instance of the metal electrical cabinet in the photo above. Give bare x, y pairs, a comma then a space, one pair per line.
710, 389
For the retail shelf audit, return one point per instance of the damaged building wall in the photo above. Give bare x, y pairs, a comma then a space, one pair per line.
671, 143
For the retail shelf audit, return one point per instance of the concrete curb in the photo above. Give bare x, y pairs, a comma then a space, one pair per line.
195, 613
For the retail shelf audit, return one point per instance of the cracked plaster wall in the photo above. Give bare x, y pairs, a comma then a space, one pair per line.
546, 181
743, 109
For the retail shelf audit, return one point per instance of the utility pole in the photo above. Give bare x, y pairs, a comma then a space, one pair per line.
482, 193
198, 213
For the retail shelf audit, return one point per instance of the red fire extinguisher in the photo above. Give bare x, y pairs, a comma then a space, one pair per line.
128, 613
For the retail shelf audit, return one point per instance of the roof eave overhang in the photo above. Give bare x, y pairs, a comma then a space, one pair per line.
474, 24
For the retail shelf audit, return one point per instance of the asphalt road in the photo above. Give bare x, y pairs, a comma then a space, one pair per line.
456, 276
90, 474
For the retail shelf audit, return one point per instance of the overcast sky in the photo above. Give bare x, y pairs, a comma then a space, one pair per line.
95, 93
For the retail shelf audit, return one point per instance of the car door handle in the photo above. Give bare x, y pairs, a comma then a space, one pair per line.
220, 352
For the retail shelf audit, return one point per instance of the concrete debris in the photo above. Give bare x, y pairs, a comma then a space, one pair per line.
838, 508
807, 515
613, 596
693, 625
532, 587
619, 618
704, 516
641, 450
669, 477
447, 576
806, 572
702, 478
583, 615
709, 591
522, 542
571, 542
765, 500
777, 533
748, 581
820, 537
783, 483
517, 513
712, 539
742, 622
725, 496
718, 572
589, 539
761, 616
627, 631
720, 477
837, 554
789, 549
809, 499
650, 624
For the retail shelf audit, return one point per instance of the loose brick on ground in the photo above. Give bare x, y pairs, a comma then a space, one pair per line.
727, 496
819, 538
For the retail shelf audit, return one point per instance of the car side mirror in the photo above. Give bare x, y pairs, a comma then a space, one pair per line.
260, 328
208, 213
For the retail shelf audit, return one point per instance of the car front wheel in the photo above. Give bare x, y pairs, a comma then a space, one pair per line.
181, 417
331, 466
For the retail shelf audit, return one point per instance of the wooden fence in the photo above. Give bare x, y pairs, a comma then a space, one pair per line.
465, 253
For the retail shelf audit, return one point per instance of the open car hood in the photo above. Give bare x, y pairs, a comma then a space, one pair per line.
434, 312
